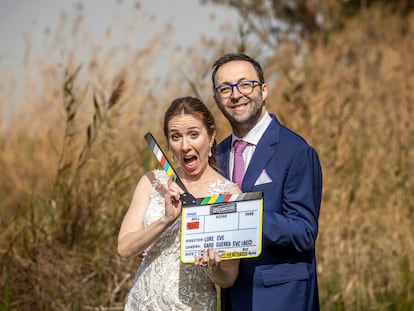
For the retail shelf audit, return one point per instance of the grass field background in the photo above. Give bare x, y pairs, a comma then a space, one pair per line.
72, 154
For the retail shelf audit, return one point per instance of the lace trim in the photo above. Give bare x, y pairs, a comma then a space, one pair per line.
220, 187
161, 178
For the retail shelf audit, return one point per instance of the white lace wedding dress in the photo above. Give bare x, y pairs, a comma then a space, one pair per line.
163, 282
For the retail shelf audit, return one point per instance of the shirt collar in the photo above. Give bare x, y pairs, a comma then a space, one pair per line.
254, 135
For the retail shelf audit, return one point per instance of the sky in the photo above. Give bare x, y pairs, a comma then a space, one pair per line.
28, 23
34, 32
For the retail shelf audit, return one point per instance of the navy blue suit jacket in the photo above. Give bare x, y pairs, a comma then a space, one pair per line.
284, 276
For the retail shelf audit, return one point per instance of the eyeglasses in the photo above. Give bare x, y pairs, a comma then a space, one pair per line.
244, 87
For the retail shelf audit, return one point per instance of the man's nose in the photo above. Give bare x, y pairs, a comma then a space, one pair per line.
235, 93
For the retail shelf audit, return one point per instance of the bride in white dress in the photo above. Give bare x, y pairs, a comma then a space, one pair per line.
152, 222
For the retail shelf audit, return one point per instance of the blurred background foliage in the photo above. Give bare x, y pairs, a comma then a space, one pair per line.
340, 73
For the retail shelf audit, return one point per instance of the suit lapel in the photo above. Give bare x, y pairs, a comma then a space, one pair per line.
265, 150
223, 157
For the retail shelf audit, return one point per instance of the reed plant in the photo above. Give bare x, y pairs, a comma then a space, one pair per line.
70, 163
351, 97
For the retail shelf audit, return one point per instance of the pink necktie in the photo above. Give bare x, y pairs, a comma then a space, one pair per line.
238, 169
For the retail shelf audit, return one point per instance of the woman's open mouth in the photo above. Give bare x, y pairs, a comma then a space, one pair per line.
190, 162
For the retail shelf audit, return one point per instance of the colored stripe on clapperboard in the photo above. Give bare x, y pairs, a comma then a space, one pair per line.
161, 157
190, 200
231, 198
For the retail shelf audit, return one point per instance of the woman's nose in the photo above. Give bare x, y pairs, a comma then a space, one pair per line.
185, 144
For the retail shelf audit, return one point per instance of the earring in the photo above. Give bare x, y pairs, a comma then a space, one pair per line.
209, 152
173, 158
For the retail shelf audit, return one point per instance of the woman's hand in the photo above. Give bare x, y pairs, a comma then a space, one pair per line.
173, 202
222, 273
209, 260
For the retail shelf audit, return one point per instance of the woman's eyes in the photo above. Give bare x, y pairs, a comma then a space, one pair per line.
176, 137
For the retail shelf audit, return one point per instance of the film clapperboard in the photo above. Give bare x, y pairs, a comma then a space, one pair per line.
230, 223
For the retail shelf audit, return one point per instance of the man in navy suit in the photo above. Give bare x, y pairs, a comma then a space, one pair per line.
280, 163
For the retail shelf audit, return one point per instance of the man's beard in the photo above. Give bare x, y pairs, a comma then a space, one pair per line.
253, 115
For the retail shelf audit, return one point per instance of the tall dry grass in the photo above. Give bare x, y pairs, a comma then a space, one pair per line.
70, 159
69, 165
352, 98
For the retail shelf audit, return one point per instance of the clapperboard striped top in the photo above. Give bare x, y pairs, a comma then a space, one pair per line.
160, 155
231, 198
